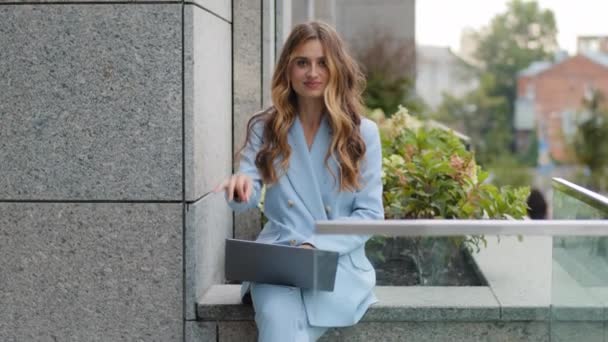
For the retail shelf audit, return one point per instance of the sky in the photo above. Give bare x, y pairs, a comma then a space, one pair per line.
440, 22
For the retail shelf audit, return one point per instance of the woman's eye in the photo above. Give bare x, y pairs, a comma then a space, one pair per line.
322, 63
301, 63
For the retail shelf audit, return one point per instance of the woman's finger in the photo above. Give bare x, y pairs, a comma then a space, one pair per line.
230, 188
221, 186
242, 188
248, 187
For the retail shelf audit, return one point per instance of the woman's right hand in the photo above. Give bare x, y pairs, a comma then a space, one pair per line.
238, 187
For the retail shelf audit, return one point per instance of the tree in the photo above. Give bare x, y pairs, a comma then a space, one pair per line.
388, 64
523, 34
590, 140
482, 116
511, 42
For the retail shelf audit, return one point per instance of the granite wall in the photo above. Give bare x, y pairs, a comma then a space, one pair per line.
115, 120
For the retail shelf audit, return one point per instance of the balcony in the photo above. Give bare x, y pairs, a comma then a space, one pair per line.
546, 281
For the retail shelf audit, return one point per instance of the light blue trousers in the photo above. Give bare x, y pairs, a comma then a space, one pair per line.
280, 314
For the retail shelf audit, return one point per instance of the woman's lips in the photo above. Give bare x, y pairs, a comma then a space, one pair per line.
313, 85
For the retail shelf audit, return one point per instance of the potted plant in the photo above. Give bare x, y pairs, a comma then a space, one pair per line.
429, 173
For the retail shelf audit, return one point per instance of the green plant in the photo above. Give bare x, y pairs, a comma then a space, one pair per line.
507, 170
590, 143
428, 173
389, 66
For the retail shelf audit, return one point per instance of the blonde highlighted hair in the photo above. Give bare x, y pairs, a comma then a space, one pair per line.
343, 106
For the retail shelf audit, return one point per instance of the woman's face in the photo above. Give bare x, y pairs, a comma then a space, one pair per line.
308, 71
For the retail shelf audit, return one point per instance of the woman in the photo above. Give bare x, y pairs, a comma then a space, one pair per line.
320, 160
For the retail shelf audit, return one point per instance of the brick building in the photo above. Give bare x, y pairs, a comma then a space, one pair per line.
592, 44
550, 96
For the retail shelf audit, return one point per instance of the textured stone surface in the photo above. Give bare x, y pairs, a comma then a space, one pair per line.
413, 314
577, 331
79, 1
91, 102
395, 304
221, 8
90, 272
247, 93
409, 331
223, 303
439, 331
269, 32
247, 225
208, 101
425, 303
523, 293
208, 224
247, 65
201, 331
571, 301
237, 332
601, 296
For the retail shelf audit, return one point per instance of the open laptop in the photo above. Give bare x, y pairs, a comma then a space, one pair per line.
280, 265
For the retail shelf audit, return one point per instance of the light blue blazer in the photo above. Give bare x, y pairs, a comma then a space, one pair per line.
307, 193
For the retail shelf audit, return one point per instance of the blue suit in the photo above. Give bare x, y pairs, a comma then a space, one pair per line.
308, 192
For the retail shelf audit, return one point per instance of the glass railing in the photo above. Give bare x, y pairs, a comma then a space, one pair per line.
580, 268
551, 276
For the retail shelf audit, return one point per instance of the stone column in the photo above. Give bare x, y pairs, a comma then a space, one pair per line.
208, 113
115, 119
247, 92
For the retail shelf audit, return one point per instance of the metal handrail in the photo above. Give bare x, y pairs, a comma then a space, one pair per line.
466, 227
587, 196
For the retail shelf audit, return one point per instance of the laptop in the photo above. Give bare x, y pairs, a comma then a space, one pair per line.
281, 265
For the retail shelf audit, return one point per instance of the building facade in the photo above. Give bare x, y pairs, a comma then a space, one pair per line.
116, 119
550, 97
594, 44
359, 22
439, 72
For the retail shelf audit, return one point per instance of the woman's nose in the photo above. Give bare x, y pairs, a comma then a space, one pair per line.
314, 70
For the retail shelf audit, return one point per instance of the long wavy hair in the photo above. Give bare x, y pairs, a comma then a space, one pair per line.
343, 107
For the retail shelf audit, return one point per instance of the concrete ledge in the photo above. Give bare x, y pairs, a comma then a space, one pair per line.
530, 297
222, 303
519, 275
572, 302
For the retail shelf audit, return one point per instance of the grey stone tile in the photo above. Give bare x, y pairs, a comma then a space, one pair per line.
91, 102
577, 331
91, 272
208, 101
600, 294
571, 301
425, 303
201, 331
223, 303
247, 94
523, 293
440, 331
79, 1
208, 224
238, 332
222, 8
247, 225
247, 66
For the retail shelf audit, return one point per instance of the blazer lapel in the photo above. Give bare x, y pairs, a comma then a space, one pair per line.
326, 181
301, 174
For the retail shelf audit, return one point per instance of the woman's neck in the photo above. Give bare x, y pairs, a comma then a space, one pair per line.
310, 112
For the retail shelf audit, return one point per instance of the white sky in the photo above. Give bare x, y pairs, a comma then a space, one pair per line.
440, 22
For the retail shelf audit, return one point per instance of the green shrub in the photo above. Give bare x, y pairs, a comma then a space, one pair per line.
428, 173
